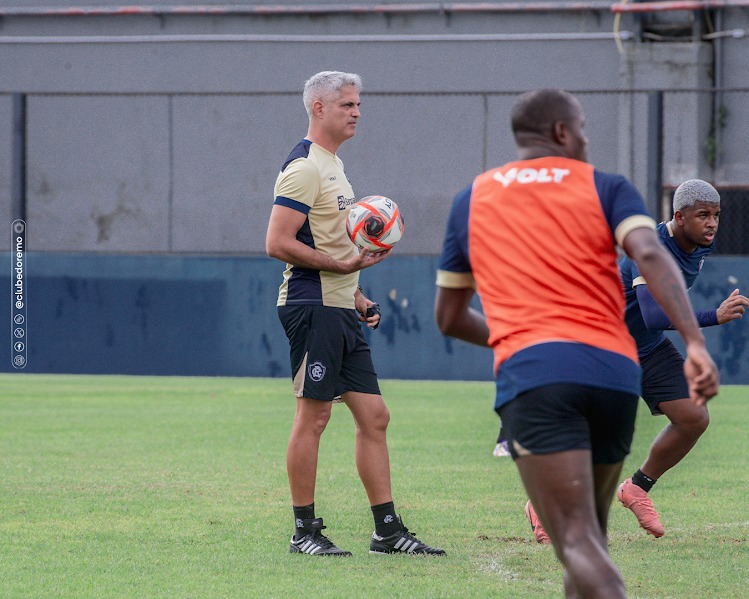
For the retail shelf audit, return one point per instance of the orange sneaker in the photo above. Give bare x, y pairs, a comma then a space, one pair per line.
636, 499
538, 530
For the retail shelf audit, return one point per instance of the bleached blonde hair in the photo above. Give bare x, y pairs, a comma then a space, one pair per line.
692, 191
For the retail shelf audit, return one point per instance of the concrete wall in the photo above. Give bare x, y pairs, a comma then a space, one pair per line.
170, 315
164, 132
154, 139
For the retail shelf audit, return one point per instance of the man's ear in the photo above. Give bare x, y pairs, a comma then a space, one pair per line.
317, 108
560, 132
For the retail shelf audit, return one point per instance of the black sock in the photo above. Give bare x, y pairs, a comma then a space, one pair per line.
643, 481
386, 520
302, 512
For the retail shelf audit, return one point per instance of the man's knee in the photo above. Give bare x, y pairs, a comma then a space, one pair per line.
314, 416
382, 417
376, 420
699, 422
687, 416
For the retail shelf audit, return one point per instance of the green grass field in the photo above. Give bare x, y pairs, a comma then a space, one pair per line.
176, 487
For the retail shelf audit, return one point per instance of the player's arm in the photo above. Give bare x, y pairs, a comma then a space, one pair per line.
654, 317
455, 283
456, 318
667, 286
281, 243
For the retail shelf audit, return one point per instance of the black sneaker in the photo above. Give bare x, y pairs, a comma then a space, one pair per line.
401, 542
314, 542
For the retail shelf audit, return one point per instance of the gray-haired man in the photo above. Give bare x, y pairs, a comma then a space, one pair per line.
322, 310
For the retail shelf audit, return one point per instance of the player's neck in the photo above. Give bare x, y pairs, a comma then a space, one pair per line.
324, 141
680, 239
541, 151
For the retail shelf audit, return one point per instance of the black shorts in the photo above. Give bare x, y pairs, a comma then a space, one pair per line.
663, 376
563, 417
329, 355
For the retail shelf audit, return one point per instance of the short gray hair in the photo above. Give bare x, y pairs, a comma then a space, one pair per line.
326, 84
692, 191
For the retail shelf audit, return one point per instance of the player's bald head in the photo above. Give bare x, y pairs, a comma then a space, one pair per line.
535, 112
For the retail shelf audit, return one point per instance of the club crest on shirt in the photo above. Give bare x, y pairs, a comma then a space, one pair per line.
316, 371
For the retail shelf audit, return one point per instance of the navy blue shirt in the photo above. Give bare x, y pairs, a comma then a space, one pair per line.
689, 263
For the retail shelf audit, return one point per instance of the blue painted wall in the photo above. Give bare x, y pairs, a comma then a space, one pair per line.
187, 315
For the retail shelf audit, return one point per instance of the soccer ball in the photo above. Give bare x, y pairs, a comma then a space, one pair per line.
375, 223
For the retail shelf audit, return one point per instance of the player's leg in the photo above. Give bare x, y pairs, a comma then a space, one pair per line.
371, 417
569, 442
560, 486
666, 392
310, 420
312, 358
687, 424
373, 463
605, 480
361, 393
301, 464
312, 343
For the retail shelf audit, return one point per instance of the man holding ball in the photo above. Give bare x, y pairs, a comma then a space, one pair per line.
321, 308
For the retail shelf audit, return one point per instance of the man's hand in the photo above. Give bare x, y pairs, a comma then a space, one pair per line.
732, 308
364, 259
702, 374
367, 310
373, 316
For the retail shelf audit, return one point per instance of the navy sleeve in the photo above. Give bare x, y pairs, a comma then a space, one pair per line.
652, 314
619, 198
655, 318
455, 248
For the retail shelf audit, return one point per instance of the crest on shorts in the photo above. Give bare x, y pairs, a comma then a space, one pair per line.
316, 371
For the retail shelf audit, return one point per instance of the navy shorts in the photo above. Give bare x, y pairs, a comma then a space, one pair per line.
329, 355
564, 417
663, 376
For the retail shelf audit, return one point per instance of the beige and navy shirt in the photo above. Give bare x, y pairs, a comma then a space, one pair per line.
313, 182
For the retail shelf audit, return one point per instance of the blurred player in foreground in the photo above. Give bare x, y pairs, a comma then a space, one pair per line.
689, 237
567, 374
321, 307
